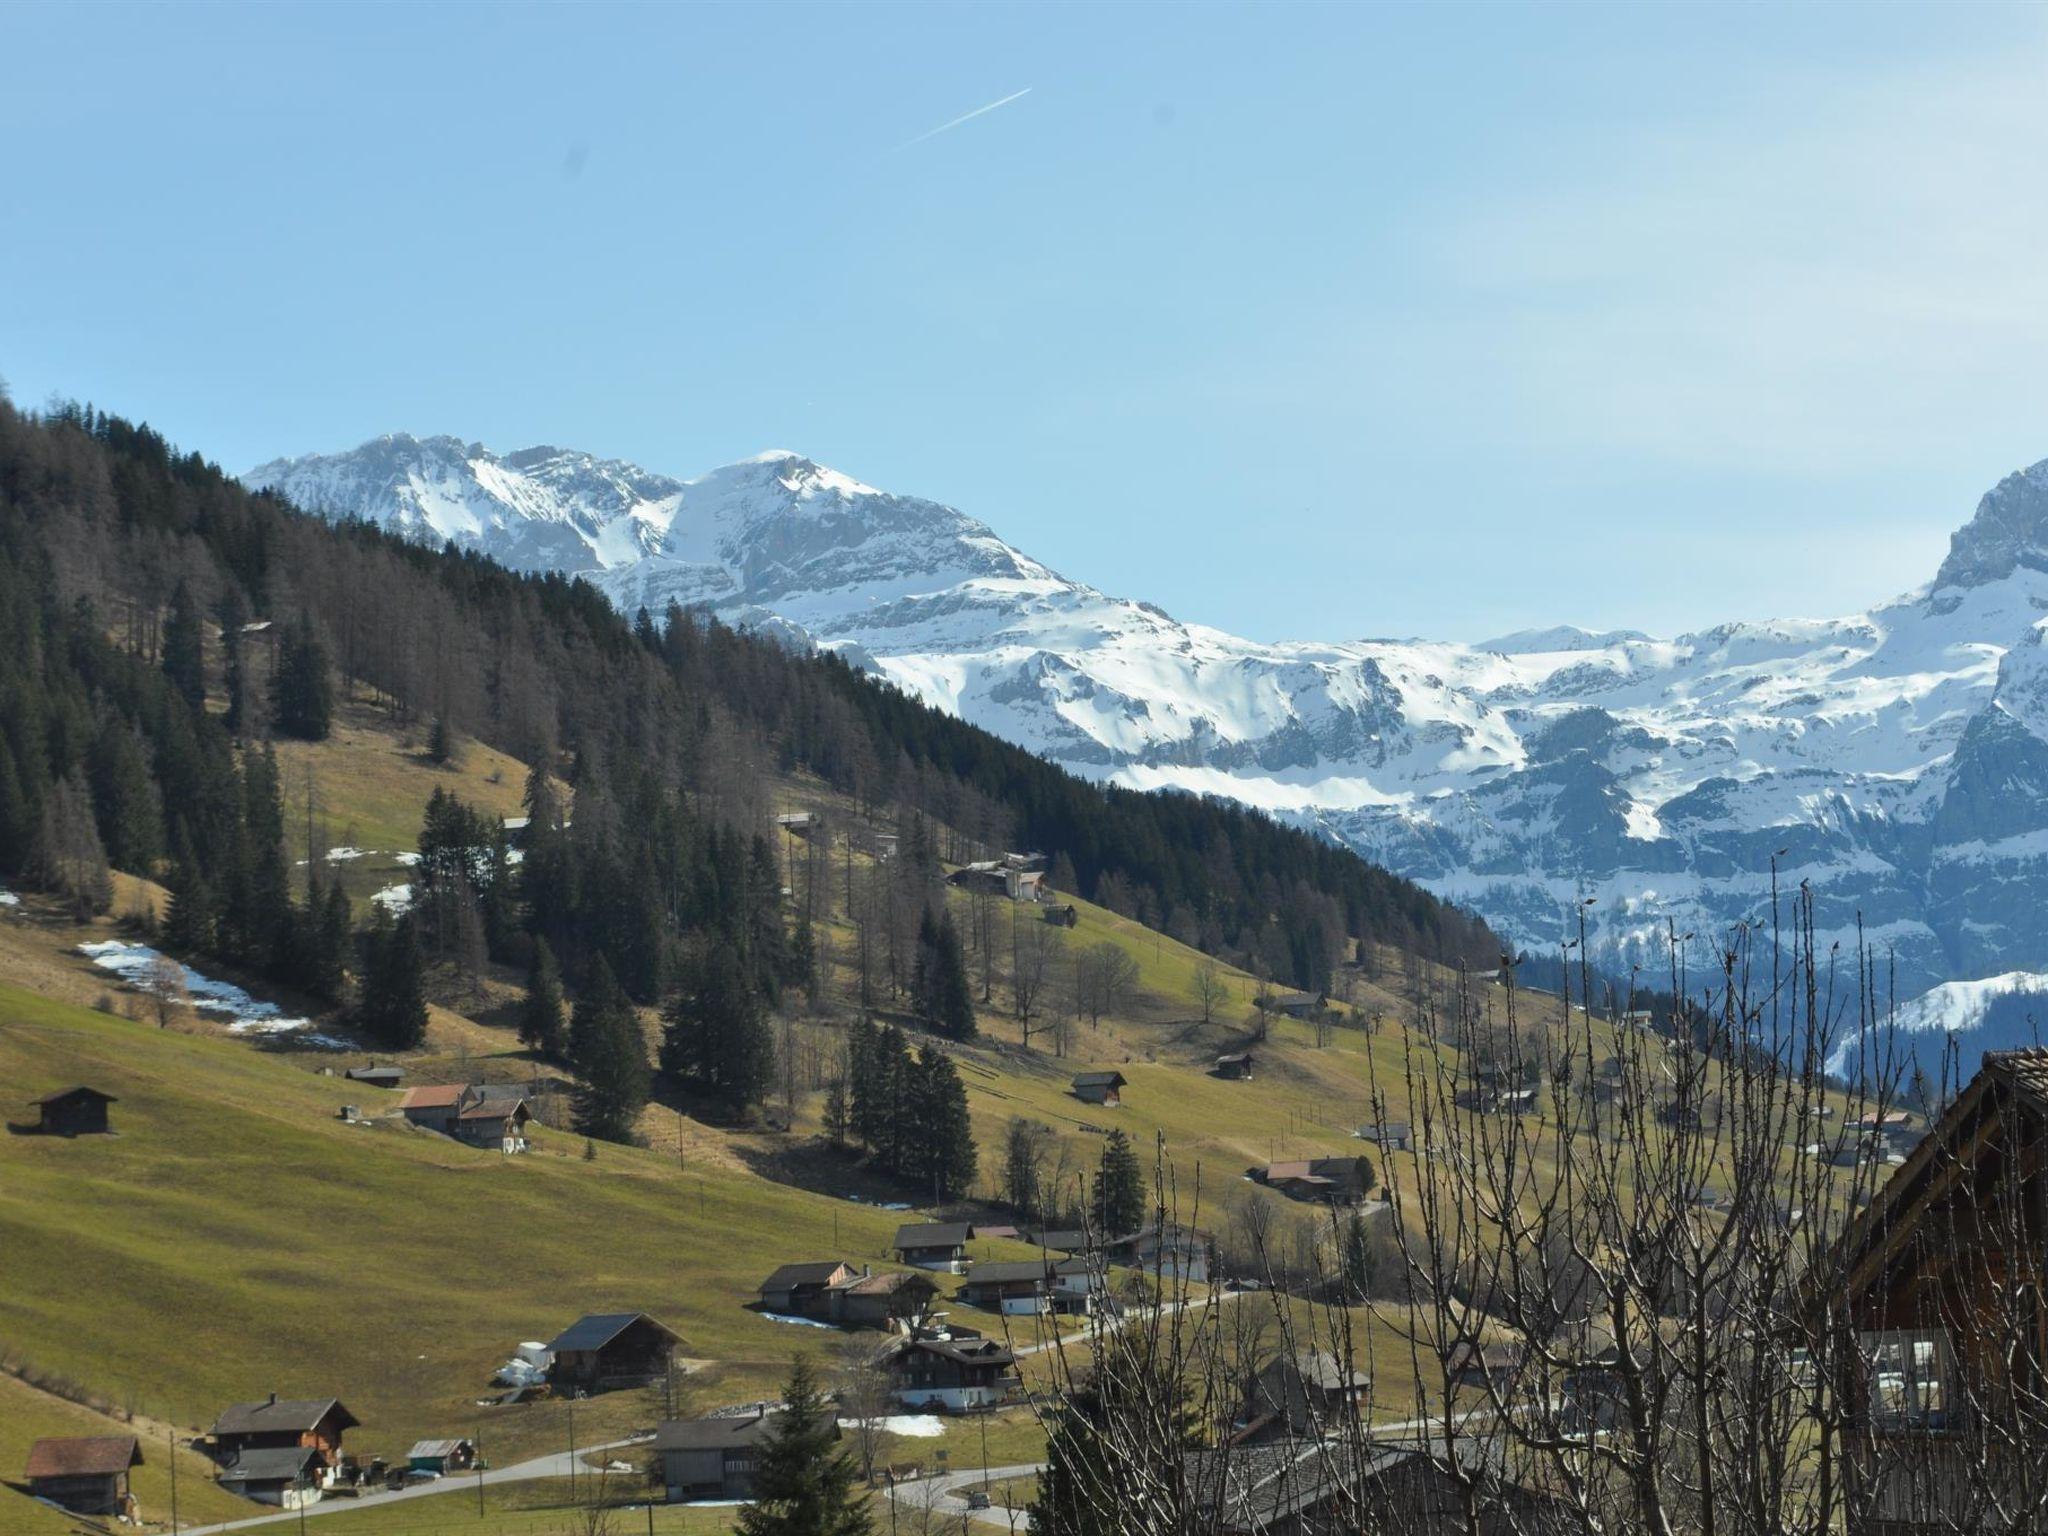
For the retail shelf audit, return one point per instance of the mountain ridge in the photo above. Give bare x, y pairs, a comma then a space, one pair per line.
1896, 759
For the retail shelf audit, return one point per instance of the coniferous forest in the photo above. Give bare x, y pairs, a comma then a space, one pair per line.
121, 555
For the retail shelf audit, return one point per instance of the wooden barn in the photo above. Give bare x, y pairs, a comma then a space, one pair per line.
441, 1456
1105, 1088
608, 1350
74, 1112
712, 1458
1235, 1067
87, 1475
798, 1290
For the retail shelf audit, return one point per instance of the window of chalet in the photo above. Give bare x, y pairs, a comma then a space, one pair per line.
1909, 1375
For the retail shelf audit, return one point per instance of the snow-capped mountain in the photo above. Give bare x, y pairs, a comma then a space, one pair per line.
1897, 760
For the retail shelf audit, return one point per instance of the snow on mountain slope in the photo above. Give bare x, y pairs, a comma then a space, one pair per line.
1895, 760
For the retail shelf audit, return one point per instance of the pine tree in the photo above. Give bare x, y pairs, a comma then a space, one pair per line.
302, 698
1119, 1188
184, 656
944, 1158
326, 930
609, 1055
804, 1481
540, 1016
189, 918
940, 994
393, 1011
716, 1034
863, 1110
952, 995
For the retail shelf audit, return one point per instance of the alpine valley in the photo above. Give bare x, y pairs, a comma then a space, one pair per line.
1896, 760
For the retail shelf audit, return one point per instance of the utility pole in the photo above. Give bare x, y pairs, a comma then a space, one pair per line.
173, 1434
572, 1448
479, 1469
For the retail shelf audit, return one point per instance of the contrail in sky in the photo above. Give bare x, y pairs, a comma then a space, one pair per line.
932, 133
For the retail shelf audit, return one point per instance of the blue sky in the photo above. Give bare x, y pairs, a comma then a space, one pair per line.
1319, 322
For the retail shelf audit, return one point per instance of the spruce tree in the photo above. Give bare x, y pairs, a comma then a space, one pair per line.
952, 998
863, 1112
716, 1036
804, 1480
944, 1156
1119, 1188
189, 917
184, 648
393, 1011
540, 1016
302, 698
940, 995
609, 1055
327, 928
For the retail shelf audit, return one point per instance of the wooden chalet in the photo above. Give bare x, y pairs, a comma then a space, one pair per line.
1171, 1252
87, 1475
1347, 1485
1331, 1180
1295, 1005
799, 1290
480, 1114
496, 1120
1063, 914
1309, 1392
246, 1433
953, 1369
897, 1299
1481, 1365
1235, 1067
609, 1350
377, 1077
289, 1476
1106, 1088
1017, 1288
1942, 1279
1389, 1135
935, 1245
73, 1112
713, 1458
1000, 877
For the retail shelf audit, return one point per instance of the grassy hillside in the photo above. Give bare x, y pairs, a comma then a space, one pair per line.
236, 1238
27, 1415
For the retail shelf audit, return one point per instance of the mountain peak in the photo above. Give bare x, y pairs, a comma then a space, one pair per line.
2009, 531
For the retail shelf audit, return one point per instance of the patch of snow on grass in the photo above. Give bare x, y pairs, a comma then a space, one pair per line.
136, 965
914, 1426
795, 1322
394, 899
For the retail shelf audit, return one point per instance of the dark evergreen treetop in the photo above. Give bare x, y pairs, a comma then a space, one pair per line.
804, 1480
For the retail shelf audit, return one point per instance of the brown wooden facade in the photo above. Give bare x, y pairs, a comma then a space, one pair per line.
1944, 1275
